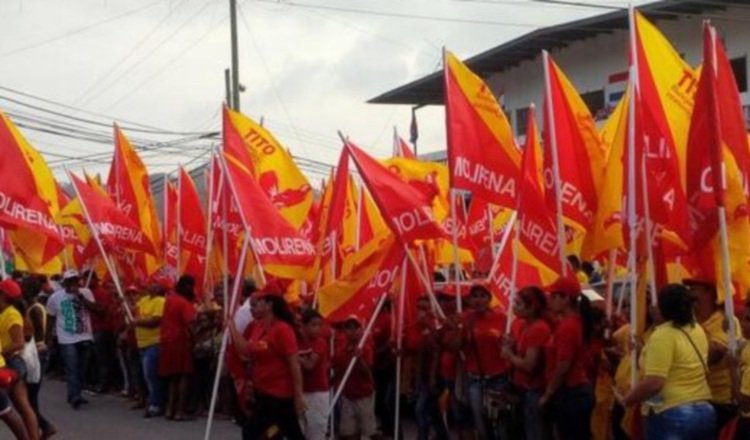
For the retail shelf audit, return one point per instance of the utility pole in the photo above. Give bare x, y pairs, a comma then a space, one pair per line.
235, 57
228, 87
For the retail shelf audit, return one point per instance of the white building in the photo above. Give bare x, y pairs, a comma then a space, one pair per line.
593, 52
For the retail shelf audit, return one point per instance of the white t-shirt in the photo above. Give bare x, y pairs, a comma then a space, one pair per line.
73, 320
243, 316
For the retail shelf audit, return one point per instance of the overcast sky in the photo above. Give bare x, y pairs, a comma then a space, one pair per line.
308, 67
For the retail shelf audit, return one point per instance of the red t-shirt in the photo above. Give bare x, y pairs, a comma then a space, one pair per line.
531, 335
178, 314
102, 321
566, 343
360, 384
269, 349
316, 380
483, 343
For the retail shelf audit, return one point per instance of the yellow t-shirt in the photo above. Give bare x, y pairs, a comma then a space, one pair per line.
720, 374
669, 354
148, 307
745, 374
9, 318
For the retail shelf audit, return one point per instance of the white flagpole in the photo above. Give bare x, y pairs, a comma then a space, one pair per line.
631, 197
399, 346
726, 270
425, 283
649, 235
178, 226
513, 274
456, 263
95, 234
555, 162
208, 284
503, 242
490, 221
225, 340
360, 344
3, 272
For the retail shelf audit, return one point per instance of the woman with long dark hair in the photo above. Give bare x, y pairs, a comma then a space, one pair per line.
675, 387
315, 358
568, 392
527, 358
271, 345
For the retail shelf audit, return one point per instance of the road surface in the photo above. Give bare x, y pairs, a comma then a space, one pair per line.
108, 417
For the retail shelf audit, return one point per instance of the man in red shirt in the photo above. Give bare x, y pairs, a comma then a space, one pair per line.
358, 396
104, 337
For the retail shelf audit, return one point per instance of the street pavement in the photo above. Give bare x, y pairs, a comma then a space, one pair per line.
108, 417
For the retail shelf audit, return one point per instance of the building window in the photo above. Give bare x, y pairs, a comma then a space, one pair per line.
739, 68
522, 121
594, 100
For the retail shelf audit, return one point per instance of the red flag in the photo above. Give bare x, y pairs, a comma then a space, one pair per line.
482, 153
192, 220
171, 203
501, 281
407, 210
279, 247
25, 193
401, 148
115, 229
538, 231
222, 205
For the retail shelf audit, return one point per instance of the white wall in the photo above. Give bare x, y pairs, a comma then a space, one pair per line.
589, 63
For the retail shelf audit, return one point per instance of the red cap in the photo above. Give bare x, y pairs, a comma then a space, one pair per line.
132, 289
274, 287
567, 285
11, 289
354, 318
164, 282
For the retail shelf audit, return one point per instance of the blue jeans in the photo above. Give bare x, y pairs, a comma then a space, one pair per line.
476, 402
74, 358
428, 414
572, 408
535, 424
692, 421
150, 360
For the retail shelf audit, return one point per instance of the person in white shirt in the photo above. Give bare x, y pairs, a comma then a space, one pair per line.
70, 308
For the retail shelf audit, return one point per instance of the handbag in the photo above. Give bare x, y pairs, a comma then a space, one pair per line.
7, 377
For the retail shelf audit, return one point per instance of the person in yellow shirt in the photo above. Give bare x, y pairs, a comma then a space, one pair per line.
148, 313
674, 388
711, 317
742, 394
12, 342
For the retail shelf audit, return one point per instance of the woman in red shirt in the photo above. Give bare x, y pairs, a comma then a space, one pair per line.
276, 373
176, 344
568, 391
525, 352
315, 358
482, 348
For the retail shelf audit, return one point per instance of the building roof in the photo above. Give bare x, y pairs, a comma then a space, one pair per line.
429, 89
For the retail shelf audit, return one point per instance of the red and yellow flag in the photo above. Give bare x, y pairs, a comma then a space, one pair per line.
115, 229
28, 201
482, 153
279, 248
537, 227
130, 188
271, 164
357, 292
716, 152
406, 209
570, 129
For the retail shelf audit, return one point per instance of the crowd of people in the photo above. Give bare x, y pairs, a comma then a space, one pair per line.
556, 367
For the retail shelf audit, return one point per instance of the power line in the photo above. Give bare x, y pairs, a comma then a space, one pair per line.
102, 78
78, 31
403, 15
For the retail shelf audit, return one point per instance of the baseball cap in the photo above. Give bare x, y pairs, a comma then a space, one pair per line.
70, 274
568, 286
354, 318
11, 289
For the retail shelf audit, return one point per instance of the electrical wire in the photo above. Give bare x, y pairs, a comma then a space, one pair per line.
68, 34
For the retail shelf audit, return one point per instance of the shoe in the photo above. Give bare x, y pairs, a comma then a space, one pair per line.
76, 403
153, 412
